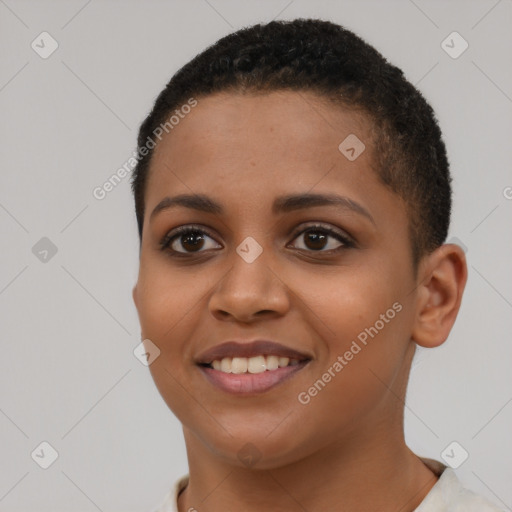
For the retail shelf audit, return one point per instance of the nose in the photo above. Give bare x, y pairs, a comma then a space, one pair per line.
249, 291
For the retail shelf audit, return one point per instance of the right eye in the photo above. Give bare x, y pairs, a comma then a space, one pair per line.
191, 239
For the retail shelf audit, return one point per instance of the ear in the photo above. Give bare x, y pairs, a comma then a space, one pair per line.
134, 296
441, 280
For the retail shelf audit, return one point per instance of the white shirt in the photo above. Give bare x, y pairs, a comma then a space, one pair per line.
447, 495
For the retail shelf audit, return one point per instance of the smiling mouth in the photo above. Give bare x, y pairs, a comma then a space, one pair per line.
252, 365
251, 375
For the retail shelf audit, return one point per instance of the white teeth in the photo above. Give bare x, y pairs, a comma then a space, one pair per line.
272, 362
256, 364
225, 365
283, 361
239, 365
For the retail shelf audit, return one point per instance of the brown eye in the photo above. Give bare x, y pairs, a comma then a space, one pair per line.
315, 240
192, 241
186, 240
322, 239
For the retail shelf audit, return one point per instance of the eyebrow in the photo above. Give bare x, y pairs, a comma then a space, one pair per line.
281, 204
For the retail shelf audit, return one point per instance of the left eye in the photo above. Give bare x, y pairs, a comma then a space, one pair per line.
316, 238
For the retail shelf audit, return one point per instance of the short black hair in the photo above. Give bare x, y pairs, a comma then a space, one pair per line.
408, 153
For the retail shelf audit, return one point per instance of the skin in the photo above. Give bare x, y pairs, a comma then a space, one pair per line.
345, 449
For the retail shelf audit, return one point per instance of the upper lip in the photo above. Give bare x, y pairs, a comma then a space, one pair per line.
249, 349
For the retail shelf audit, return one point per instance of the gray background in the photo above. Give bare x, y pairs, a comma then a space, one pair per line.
69, 327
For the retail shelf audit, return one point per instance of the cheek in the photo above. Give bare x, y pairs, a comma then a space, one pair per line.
351, 389
167, 305
348, 300
364, 325
161, 314
165, 296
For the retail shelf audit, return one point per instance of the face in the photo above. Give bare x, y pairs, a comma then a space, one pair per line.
329, 282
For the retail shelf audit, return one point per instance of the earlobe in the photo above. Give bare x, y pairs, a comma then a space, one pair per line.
441, 281
134, 296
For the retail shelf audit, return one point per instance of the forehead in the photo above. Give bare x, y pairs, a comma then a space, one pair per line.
298, 128
281, 119
252, 147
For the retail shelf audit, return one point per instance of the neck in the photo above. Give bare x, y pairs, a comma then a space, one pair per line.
382, 473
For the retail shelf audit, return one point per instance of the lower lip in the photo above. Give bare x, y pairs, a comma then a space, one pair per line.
249, 383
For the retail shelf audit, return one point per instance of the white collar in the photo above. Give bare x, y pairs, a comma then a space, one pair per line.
447, 494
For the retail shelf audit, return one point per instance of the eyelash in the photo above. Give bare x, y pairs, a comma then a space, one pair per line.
191, 228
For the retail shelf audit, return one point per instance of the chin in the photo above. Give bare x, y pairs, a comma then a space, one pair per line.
254, 448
